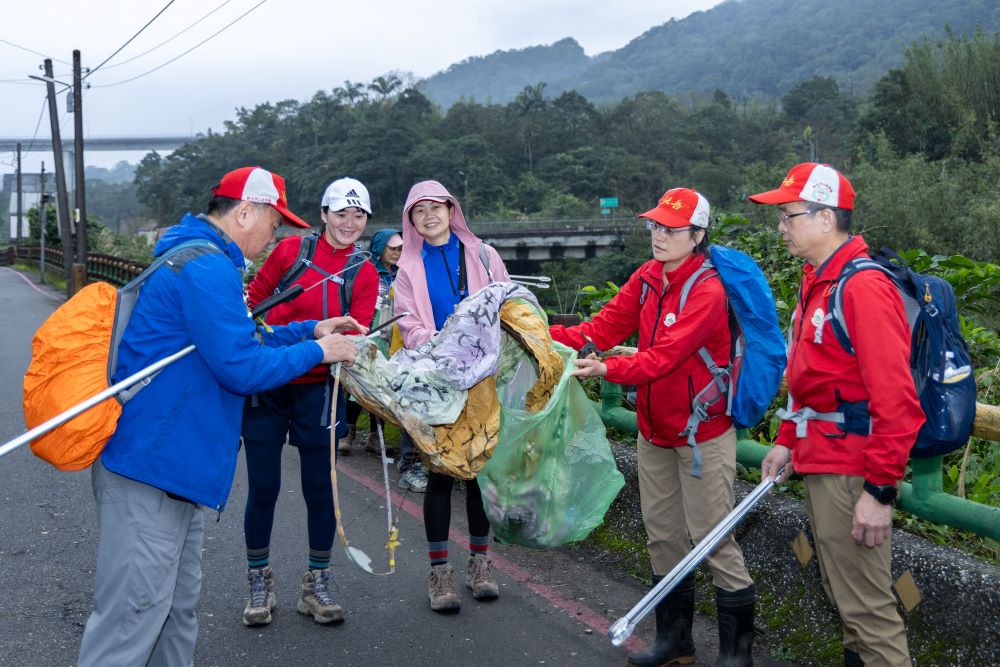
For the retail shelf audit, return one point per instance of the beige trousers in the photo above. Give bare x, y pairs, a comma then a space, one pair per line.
858, 580
678, 508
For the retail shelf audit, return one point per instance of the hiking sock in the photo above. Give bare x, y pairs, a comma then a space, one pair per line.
258, 558
319, 560
479, 544
438, 552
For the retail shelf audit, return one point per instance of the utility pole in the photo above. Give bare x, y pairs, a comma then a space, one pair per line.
42, 207
19, 218
62, 203
80, 267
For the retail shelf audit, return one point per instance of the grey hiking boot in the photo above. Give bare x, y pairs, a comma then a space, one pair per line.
414, 479
316, 597
479, 578
441, 588
344, 446
262, 599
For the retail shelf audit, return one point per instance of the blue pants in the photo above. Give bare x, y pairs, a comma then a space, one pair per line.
300, 413
264, 482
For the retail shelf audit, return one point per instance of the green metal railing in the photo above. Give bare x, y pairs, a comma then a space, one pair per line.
115, 270
924, 496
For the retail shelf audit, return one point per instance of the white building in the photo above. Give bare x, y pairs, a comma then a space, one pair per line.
31, 194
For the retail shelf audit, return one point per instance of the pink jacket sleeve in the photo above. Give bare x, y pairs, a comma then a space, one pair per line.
414, 331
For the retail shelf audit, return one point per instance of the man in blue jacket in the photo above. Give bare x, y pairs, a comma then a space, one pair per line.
175, 447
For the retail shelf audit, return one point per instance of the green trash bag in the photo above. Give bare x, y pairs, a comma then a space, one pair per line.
552, 475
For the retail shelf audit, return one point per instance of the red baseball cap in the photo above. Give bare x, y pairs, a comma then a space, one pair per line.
680, 207
258, 185
811, 182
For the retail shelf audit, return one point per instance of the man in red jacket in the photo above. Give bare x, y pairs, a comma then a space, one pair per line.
851, 467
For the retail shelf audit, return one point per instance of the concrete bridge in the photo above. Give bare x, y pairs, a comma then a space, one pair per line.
532, 241
123, 143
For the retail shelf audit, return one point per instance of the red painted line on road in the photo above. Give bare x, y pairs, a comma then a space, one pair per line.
33, 285
572, 608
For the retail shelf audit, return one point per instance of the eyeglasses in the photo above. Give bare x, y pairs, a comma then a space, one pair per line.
784, 217
671, 232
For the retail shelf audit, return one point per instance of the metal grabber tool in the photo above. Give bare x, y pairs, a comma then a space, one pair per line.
623, 628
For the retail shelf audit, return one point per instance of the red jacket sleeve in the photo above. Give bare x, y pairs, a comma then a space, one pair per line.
615, 322
880, 334
703, 314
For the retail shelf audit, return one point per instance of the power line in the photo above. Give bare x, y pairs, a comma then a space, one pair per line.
24, 48
45, 100
118, 50
123, 62
226, 27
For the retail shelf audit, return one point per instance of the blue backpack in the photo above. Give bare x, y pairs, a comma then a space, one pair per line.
757, 355
939, 358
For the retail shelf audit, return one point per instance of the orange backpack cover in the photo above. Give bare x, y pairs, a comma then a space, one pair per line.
69, 364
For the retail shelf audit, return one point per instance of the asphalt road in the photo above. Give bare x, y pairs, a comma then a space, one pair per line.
554, 606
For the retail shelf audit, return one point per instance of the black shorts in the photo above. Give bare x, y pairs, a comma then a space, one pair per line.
299, 411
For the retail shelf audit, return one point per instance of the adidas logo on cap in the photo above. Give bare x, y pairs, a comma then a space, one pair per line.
347, 192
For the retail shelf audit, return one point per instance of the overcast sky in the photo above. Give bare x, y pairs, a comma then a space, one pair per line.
282, 49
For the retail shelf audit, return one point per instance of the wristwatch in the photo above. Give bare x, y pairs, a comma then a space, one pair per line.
884, 493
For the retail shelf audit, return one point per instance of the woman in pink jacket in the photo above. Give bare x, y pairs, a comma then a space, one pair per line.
442, 263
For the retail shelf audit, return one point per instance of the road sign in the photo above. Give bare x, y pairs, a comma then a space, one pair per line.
609, 202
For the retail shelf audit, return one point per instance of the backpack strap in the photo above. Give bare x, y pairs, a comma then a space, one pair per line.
835, 304
128, 296
348, 275
717, 389
307, 250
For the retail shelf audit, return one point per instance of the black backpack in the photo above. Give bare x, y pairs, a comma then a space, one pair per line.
939, 358
303, 262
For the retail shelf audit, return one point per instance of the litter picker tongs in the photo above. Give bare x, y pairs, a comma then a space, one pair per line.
622, 628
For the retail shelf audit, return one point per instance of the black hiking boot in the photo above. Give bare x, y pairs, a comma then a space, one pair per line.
852, 659
736, 629
674, 615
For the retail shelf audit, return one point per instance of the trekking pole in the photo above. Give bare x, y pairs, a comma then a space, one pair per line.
541, 282
115, 389
622, 628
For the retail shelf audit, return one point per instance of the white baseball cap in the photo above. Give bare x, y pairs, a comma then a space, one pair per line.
346, 192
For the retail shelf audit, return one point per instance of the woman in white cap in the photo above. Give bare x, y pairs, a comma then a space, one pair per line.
299, 412
684, 490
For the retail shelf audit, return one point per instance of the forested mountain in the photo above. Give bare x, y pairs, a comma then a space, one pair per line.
745, 48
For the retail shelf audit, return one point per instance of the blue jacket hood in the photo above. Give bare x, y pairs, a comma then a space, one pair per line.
194, 227
378, 243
